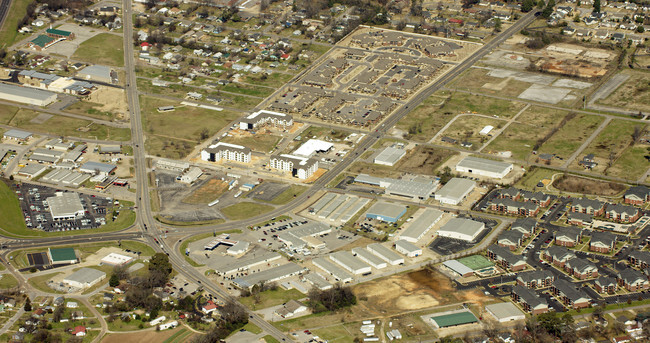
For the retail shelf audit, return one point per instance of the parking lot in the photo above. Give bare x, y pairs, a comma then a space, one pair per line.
37, 212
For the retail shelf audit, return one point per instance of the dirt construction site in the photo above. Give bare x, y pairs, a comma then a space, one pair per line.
111, 100
413, 291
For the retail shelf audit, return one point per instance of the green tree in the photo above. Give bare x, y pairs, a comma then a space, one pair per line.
28, 305
497, 25
548, 10
597, 6
114, 281
527, 5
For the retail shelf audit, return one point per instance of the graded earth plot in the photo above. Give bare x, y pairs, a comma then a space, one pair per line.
633, 93
367, 75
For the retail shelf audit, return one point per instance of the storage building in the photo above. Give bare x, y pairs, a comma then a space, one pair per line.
454, 191
18, 135
420, 226
191, 175
371, 259
332, 269
462, 229
505, 312
386, 212
62, 255
389, 156
350, 263
385, 254
484, 167
97, 73
26, 95
85, 277
32, 170
115, 259
407, 248
97, 168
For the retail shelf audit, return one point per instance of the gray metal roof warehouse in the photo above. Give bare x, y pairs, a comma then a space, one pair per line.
330, 268
269, 275
26, 95
85, 276
390, 156
455, 190
484, 166
17, 134
461, 228
421, 225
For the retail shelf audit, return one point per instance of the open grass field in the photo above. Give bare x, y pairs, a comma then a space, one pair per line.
474, 79
208, 192
270, 339
288, 194
262, 142
614, 153
583, 185
373, 169
9, 31
90, 109
634, 94
174, 134
532, 125
275, 80
104, 48
245, 210
533, 176
337, 334
8, 281
271, 298
569, 138
65, 126
252, 328
467, 128
437, 110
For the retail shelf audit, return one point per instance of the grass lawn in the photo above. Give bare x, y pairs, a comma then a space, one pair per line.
373, 169
179, 336
272, 298
274, 80
174, 134
270, 339
89, 109
520, 137
9, 32
467, 128
168, 221
261, 142
569, 138
336, 334
247, 89
8, 281
252, 328
7, 112
245, 210
104, 48
65, 126
40, 282
633, 94
533, 177
11, 216
288, 194
632, 164
475, 78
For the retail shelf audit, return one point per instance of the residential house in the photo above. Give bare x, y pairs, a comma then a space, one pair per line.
536, 279
526, 226
568, 236
529, 300
602, 242
589, 206
510, 239
567, 293
622, 213
79, 331
505, 258
632, 280
637, 195
606, 284
559, 256
581, 268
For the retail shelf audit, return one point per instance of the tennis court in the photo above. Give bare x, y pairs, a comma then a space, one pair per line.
476, 262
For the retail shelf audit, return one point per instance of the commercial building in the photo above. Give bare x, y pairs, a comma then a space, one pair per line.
311, 147
97, 168
65, 206
484, 167
305, 235
338, 207
505, 312
62, 175
386, 212
115, 259
42, 42
389, 156
18, 135
332, 269
98, 73
59, 34
54, 82
318, 281
85, 277
45, 155
453, 319
263, 117
461, 228
172, 165
191, 175
458, 268
269, 275
31, 96
32, 170
407, 248
240, 265
62, 255
238, 248
226, 152
417, 188
290, 309
302, 168
385, 254
350, 263
421, 225
455, 191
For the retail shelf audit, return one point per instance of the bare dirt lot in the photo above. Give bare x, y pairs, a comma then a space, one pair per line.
413, 291
111, 100
577, 184
208, 192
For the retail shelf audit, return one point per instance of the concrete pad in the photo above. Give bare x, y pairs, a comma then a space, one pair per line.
242, 337
568, 83
41, 118
522, 76
541, 93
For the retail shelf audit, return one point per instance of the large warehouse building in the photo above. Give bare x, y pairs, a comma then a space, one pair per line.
483, 167
420, 226
505, 312
389, 156
25, 95
461, 228
386, 212
454, 191
85, 277
453, 319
